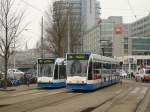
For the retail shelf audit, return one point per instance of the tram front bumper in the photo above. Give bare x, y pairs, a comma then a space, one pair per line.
51, 85
81, 86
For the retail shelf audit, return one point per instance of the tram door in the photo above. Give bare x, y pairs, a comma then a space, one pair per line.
60, 71
90, 70
56, 71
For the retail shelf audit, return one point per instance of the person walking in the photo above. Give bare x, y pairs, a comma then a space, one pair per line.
27, 79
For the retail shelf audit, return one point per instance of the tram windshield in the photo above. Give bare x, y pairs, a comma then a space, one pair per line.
45, 67
77, 64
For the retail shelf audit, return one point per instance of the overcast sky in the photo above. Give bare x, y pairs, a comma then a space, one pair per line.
126, 8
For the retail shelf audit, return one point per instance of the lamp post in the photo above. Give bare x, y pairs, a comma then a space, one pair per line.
42, 43
68, 11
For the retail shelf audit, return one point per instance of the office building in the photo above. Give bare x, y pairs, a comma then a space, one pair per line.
106, 38
141, 27
83, 13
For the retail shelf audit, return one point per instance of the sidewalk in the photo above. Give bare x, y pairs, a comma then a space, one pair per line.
20, 88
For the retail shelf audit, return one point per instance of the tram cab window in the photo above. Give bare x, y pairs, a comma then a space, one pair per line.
77, 68
90, 71
45, 70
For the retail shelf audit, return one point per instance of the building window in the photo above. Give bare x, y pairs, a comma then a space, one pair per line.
125, 46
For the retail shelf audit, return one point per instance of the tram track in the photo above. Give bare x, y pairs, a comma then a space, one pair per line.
116, 97
74, 94
139, 107
119, 100
40, 103
8, 93
27, 92
110, 100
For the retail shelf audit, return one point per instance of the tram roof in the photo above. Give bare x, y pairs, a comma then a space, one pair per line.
103, 58
100, 57
60, 60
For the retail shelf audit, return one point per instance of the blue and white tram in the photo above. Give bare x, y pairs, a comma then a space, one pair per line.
86, 71
51, 73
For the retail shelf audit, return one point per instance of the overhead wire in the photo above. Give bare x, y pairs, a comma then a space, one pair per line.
132, 10
32, 6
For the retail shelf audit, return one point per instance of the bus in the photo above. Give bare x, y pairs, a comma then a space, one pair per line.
51, 73
87, 71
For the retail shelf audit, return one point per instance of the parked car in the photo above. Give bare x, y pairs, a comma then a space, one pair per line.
15, 74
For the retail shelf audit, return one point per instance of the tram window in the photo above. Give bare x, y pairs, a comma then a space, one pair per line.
62, 72
96, 71
118, 66
114, 66
56, 72
107, 66
90, 71
97, 65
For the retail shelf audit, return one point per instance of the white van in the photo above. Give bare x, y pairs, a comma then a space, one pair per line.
15, 74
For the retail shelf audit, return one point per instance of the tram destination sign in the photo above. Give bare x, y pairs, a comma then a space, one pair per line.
78, 56
46, 61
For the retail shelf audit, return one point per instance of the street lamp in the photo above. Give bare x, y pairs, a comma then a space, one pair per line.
68, 11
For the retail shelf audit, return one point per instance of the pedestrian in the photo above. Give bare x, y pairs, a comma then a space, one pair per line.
27, 79
132, 75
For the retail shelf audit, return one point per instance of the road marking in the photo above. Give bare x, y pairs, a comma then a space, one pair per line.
48, 93
144, 90
74, 93
23, 93
135, 90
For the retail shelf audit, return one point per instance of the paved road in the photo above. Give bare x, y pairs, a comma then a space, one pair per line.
128, 97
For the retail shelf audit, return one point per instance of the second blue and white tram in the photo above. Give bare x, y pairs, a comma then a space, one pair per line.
90, 71
51, 73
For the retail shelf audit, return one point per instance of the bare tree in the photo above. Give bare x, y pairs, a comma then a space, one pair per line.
10, 30
57, 29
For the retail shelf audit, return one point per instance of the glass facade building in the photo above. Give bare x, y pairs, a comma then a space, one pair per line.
141, 46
